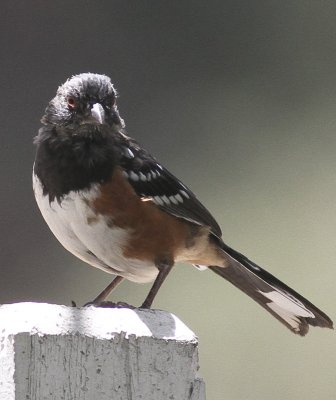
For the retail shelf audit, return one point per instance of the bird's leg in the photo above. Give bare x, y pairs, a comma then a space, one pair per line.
164, 267
106, 292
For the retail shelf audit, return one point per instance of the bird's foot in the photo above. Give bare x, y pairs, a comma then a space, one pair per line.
109, 304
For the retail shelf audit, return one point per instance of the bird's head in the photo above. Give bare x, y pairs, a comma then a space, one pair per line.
83, 101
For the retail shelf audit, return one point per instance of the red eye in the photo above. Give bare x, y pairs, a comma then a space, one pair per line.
71, 102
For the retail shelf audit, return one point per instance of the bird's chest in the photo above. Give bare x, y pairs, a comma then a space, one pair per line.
71, 219
67, 170
90, 236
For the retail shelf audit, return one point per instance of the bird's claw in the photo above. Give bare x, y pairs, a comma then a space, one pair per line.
109, 304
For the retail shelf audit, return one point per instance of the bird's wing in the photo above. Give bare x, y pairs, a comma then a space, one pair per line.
151, 180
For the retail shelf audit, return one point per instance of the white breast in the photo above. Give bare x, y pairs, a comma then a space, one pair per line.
95, 243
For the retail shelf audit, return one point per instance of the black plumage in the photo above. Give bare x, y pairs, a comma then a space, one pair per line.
81, 145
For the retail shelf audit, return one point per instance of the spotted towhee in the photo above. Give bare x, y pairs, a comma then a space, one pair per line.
110, 203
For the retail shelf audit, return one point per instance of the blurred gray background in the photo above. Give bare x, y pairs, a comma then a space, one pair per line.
237, 98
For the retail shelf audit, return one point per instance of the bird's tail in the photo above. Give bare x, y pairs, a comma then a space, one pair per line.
286, 305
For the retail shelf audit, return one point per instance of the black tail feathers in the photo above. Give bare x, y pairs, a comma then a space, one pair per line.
286, 305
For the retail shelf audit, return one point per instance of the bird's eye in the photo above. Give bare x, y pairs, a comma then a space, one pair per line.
71, 102
110, 102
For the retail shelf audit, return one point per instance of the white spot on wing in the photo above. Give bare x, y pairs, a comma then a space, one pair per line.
153, 174
133, 176
165, 199
129, 153
142, 177
179, 198
185, 194
125, 174
172, 199
158, 200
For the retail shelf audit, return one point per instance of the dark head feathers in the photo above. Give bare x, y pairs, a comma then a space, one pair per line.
88, 85
83, 91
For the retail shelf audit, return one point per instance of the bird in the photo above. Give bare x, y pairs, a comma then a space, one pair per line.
113, 205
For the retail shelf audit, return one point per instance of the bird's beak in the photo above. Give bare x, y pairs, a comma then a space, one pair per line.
98, 113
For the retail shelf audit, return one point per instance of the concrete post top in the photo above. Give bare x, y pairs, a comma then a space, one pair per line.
102, 323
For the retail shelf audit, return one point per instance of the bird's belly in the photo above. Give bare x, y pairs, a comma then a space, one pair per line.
91, 237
